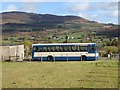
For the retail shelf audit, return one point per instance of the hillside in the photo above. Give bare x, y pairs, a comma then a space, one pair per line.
24, 22
23, 17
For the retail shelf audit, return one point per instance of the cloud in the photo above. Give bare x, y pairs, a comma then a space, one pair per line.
29, 7
115, 13
97, 11
30, 0
21, 0
83, 15
60, 0
79, 7
93, 6
11, 7
89, 17
105, 6
95, 16
74, 0
108, 9
24, 6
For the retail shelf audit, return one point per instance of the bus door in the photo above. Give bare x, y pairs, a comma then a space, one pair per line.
91, 48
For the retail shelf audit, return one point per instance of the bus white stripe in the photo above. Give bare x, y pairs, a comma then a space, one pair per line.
45, 54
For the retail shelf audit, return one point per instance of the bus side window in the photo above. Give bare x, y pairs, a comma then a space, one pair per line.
40, 49
61, 49
57, 48
73, 48
80, 48
83, 48
65, 48
77, 48
44, 49
70, 48
52, 49
48, 49
35, 49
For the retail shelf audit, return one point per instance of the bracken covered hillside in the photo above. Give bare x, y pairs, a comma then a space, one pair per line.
23, 21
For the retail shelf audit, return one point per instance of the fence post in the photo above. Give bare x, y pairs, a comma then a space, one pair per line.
10, 58
67, 57
41, 57
81, 57
30, 59
16, 57
54, 58
2, 58
95, 56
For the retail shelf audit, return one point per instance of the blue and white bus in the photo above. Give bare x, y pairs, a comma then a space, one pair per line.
64, 52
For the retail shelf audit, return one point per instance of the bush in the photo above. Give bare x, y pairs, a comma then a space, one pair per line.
112, 49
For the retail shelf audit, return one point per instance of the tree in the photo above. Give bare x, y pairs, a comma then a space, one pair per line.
115, 42
101, 38
28, 48
111, 49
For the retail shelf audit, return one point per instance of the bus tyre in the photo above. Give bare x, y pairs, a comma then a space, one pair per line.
50, 58
84, 58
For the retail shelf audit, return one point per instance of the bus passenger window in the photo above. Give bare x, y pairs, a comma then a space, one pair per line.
52, 49
57, 48
77, 48
48, 49
70, 48
44, 49
61, 49
35, 49
83, 48
80, 48
74, 48
65, 48
40, 49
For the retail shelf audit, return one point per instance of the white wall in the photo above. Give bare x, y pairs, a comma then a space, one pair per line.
12, 51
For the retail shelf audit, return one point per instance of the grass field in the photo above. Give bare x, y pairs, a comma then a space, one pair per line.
91, 74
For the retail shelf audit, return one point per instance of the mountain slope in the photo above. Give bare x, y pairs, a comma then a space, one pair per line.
23, 21
23, 17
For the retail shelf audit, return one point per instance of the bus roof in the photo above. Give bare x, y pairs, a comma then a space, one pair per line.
62, 44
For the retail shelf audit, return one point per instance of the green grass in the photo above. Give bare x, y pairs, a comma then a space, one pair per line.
91, 74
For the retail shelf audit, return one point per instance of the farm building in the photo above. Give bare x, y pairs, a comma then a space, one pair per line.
12, 53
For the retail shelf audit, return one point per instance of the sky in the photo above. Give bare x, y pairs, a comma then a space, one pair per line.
104, 11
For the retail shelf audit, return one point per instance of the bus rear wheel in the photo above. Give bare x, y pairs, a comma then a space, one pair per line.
50, 58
